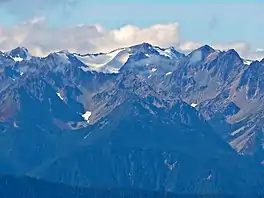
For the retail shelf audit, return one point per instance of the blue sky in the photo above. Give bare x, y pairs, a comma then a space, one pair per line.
200, 21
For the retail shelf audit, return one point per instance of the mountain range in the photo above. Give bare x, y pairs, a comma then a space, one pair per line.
141, 117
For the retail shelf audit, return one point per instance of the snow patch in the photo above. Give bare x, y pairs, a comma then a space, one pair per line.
170, 166
15, 124
247, 62
106, 63
164, 52
86, 69
194, 105
153, 69
17, 59
59, 95
87, 115
237, 131
147, 55
210, 176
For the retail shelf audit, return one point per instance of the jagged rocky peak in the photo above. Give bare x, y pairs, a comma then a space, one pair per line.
233, 58
206, 48
201, 53
174, 51
149, 50
19, 54
62, 55
142, 47
233, 54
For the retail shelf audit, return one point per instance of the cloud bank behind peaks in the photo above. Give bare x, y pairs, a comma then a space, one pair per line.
41, 39
91, 38
160, 34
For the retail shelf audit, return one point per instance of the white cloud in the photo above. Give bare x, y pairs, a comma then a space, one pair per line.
90, 38
160, 34
259, 50
257, 55
243, 49
83, 38
238, 46
189, 46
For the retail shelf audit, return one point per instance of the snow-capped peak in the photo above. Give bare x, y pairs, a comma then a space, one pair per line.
113, 61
